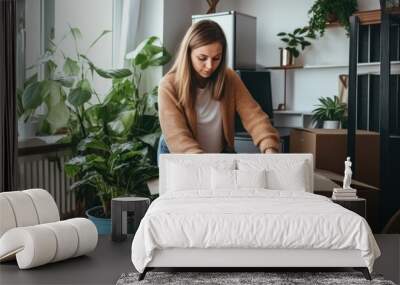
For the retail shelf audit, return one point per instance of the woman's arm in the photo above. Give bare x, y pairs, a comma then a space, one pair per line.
174, 126
254, 119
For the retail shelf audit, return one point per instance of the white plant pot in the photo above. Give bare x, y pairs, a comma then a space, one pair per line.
331, 125
27, 129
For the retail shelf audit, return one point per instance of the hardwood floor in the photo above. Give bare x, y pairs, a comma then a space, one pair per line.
111, 259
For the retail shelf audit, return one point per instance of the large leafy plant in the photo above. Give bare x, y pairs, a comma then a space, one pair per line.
64, 74
329, 109
116, 152
324, 11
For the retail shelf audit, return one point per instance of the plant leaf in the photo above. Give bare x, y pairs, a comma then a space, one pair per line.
78, 96
150, 139
112, 73
35, 94
66, 81
140, 47
124, 122
58, 116
71, 67
99, 37
92, 143
54, 96
296, 31
76, 33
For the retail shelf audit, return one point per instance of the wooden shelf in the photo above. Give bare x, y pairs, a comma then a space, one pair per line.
369, 17
284, 67
292, 112
333, 24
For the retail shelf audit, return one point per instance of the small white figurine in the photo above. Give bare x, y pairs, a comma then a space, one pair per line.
347, 174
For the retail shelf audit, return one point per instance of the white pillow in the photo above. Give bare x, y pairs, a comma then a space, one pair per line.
292, 179
282, 173
225, 179
251, 178
186, 175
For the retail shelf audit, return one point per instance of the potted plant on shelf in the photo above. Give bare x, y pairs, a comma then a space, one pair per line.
390, 6
330, 112
116, 153
323, 12
295, 42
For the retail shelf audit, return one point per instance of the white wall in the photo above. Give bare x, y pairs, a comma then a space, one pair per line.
150, 24
304, 85
91, 17
176, 24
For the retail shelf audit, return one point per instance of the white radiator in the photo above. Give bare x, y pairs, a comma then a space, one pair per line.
46, 171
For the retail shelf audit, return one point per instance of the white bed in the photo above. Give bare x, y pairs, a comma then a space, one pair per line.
222, 217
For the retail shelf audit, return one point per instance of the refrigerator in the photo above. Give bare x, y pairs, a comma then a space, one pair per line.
241, 36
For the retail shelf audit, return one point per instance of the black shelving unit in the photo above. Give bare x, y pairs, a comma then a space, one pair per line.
374, 100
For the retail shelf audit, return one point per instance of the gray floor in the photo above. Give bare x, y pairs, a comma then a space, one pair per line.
110, 260
103, 266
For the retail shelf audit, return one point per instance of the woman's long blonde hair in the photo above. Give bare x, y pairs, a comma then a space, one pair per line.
199, 34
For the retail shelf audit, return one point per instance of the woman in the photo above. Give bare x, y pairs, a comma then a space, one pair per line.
198, 98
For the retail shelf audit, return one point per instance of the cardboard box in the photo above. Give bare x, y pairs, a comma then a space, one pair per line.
329, 148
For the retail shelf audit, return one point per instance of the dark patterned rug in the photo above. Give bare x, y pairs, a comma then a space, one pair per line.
232, 278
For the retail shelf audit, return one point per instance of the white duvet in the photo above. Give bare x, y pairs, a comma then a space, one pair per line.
250, 219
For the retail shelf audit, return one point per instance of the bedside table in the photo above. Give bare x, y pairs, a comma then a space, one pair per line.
357, 205
121, 209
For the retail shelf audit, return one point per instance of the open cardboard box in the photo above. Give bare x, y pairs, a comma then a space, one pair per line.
329, 148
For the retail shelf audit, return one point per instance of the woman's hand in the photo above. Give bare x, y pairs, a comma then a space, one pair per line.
270, 150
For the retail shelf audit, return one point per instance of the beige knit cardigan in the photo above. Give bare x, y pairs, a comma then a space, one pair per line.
178, 123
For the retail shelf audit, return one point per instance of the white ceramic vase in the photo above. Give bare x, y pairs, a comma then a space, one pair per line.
331, 124
27, 129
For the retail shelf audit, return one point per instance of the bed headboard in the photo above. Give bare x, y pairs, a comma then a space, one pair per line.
214, 158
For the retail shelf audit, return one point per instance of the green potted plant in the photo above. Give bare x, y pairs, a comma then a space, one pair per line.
116, 153
328, 11
330, 112
390, 6
294, 42
63, 73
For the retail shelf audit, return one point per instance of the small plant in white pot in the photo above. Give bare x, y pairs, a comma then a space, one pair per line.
330, 112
